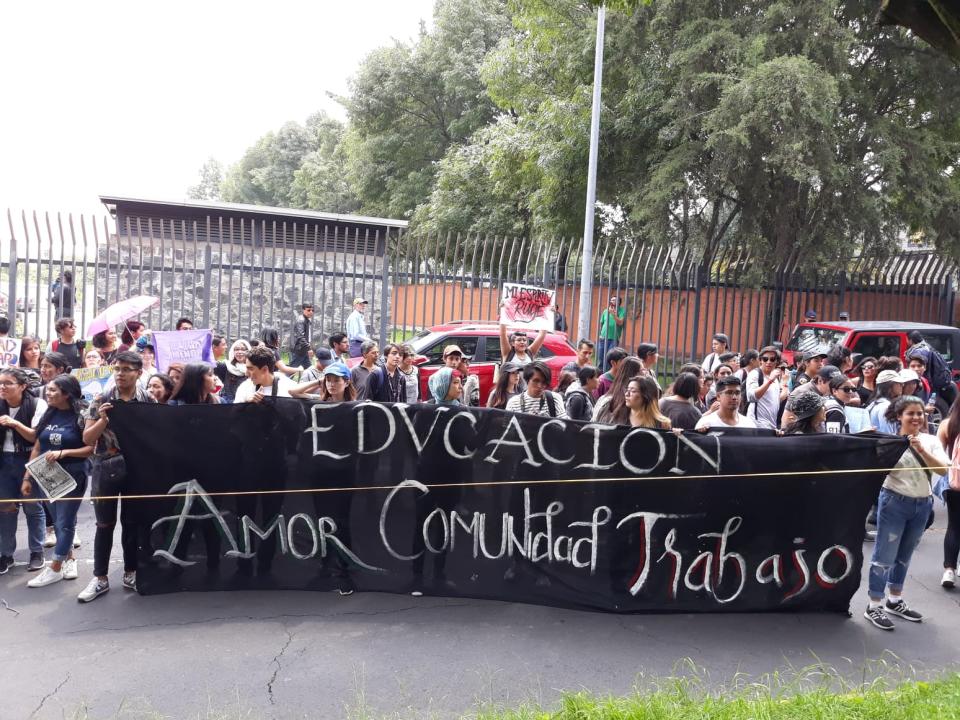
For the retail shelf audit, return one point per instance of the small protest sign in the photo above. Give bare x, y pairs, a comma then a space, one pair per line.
182, 346
9, 351
527, 306
93, 381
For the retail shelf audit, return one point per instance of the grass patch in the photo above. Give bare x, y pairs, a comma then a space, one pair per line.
914, 700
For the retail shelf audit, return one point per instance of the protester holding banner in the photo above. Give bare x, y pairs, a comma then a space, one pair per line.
948, 434
67, 343
615, 397
578, 399
60, 440
842, 391
508, 380
641, 405
445, 387
807, 412
19, 414
335, 385
903, 510
729, 392
107, 345
537, 398
197, 386
160, 387
233, 370
110, 477
263, 380
370, 351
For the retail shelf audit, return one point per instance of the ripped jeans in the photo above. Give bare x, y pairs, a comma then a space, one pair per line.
901, 521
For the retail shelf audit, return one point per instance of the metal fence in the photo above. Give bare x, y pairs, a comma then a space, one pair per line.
238, 278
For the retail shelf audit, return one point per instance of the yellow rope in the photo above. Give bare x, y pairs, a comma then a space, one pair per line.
632, 478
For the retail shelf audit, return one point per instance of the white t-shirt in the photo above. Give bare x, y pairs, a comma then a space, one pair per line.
908, 476
247, 389
712, 420
8, 445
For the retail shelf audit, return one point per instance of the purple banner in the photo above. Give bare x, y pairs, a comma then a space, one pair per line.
182, 346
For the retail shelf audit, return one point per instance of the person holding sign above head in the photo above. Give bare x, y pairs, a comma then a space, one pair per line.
537, 398
903, 510
517, 347
110, 477
60, 440
19, 414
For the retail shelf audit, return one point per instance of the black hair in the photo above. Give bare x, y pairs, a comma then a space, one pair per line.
540, 367
953, 426
726, 357
722, 338
99, 341
895, 408
770, 349
687, 385
58, 360
270, 337
306, 306
183, 321
336, 338
692, 368
17, 374
616, 355
217, 339
69, 386
729, 381
130, 358
166, 381
915, 337
584, 341
748, 357
498, 397
190, 389
25, 342
802, 427
565, 380
130, 327
645, 348
837, 355
587, 373
4, 325
62, 324
262, 356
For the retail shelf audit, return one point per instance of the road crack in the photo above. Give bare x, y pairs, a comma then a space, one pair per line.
50, 695
276, 661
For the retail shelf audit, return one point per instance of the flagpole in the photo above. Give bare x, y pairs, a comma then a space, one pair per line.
586, 274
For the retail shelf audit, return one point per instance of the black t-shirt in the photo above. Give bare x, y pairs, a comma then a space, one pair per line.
73, 352
682, 414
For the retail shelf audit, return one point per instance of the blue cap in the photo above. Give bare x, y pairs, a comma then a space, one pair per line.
337, 368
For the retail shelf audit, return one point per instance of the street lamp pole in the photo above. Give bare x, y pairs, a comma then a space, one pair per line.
586, 274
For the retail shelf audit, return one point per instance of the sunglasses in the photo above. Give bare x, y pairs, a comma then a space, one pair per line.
849, 389
868, 367
768, 359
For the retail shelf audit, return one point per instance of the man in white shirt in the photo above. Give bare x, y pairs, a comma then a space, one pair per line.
262, 379
357, 326
537, 398
766, 390
727, 415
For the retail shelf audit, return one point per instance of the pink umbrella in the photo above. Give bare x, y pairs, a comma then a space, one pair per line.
120, 312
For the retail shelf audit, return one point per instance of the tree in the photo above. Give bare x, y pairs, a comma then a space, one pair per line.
211, 175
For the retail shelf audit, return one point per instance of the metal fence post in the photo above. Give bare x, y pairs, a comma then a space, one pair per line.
384, 284
207, 281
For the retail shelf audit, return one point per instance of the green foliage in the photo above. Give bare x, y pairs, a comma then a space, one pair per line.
211, 176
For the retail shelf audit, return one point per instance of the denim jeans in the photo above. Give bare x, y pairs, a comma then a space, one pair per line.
11, 477
65, 511
603, 347
901, 521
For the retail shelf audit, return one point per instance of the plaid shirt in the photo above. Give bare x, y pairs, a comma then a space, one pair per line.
107, 444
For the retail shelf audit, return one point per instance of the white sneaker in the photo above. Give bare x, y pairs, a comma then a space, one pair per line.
70, 569
76, 541
48, 576
130, 580
50, 539
949, 578
94, 589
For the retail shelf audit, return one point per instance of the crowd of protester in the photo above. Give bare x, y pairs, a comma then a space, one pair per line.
42, 414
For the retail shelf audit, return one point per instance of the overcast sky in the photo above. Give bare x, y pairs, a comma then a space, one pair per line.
131, 98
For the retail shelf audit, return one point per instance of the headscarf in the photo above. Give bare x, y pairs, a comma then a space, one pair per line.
235, 368
439, 385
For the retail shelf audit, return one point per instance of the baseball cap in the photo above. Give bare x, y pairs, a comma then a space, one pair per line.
451, 349
815, 353
509, 367
889, 376
360, 301
827, 372
323, 355
805, 405
337, 368
908, 375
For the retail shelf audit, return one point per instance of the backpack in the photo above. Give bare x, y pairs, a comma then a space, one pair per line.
744, 402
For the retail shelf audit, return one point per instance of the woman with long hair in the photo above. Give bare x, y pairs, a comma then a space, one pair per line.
53, 364
903, 510
197, 386
175, 371
133, 330
59, 438
107, 345
411, 373
507, 386
271, 338
20, 412
160, 387
867, 371
233, 370
680, 406
612, 403
948, 433
641, 405
336, 385
30, 355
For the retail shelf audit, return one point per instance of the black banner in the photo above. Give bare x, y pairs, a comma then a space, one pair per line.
486, 504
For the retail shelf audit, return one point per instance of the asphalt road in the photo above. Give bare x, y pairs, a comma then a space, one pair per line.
319, 655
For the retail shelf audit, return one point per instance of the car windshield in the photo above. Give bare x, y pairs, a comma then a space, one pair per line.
807, 337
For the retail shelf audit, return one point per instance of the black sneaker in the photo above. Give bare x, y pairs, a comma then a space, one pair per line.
900, 609
36, 562
878, 617
6, 562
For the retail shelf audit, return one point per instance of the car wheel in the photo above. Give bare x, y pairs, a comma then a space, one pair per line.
940, 410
